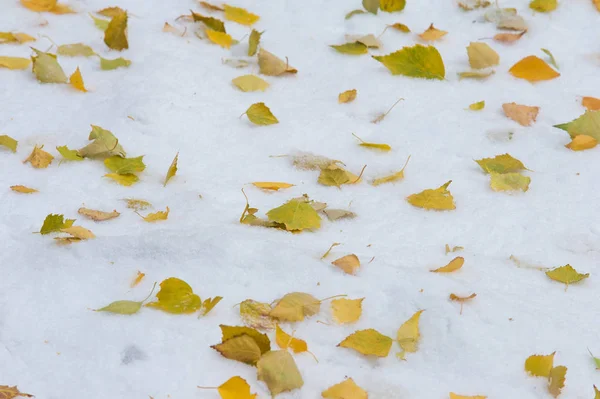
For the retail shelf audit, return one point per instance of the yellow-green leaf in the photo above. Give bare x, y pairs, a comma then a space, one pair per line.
408, 334
76, 49
543, 5
172, 170
14, 62
296, 215
454, 265
587, 124
392, 5
124, 180
124, 166
260, 114
110, 11
210, 22
346, 389
55, 223
105, 144
47, 69
156, 216
240, 15
478, 106
347, 97
504, 163
100, 23
221, 38
481, 55
509, 182
262, 340
176, 296
69, 155
353, 13
122, 307
371, 6
253, 42
241, 348
109, 65
250, 83
278, 370
475, 74
355, 48
368, 342
439, 199
115, 36
417, 61
400, 27
533, 69
376, 146
566, 274
556, 380
8, 142
209, 304
295, 306
333, 177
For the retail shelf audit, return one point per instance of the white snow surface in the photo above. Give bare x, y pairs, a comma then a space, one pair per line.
180, 98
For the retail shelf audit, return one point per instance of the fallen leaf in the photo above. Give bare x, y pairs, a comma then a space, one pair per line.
109, 65
512, 22
540, 365
278, 370
221, 38
597, 4
381, 117
478, 106
235, 62
454, 265
509, 182
393, 177
596, 390
346, 310
408, 335
250, 83
75, 50
349, 264
595, 359
14, 62
209, 304
508, 37
212, 23
462, 299
454, 249
346, 389
53, 223
211, 7
376, 146
78, 232
296, 215
371, 6
522, 114
295, 306
591, 103
171, 29
115, 35
432, 34
235, 387
172, 170
335, 214
7, 392
285, 341
543, 5
353, 13
240, 15
122, 307
417, 61
400, 27
504, 163
456, 396
587, 124
242, 348
137, 204
260, 114
105, 144
139, 276
347, 97
475, 74
334, 176
552, 59
257, 314
253, 42
23, 189
111, 11
39, 5
100, 23
39, 158
274, 186
262, 340
533, 69
566, 275
124, 180
439, 199
469, 5
481, 55
308, 161
392, 5
15, 37
156, 216
270, 65
9, 142
47, 69
368, 40
176, 296
76, 80
355, 48
368, 342
124, 166
556, 380
98, 216
582, 142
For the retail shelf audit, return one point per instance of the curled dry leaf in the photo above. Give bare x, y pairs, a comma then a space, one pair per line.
39, 158
376, 146
469, 5
475, 74
335, 214
400, 27
522, 114
346, 389
347, 97
168, 28
349, 264
23, 189
432, 34
453, 266
393, 177
462, 299
7, 392
270, 65
353, 13
368, 342
98, 216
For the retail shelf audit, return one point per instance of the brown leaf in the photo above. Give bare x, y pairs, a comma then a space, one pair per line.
522, 114
509, 37
98, 216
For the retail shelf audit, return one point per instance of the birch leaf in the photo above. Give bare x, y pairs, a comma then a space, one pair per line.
23, 189
75, 50
78, 232
105, 144
591, 103
14, 62
76, 80
295, 306
335, 214
349, 264
346, 389
109, 65
392, 5
235, 387
209, 304
353, 13
371, 6
124, 166
481, 55
582, 142
566, 275
222, 39
556, 380
98, 216
508, 37
124, 180
368, 342
296, 215
278, 370
39, 158
47, 69
157, 216
285, 341
400, 27
453, 266
270, 65
522, 114
504, 163
253, 42
176, 296
533, 69
417, 61
8, 142
210, 22
509, 182
53, 223
250, 83
439, 199
110, 12
346, 310
7, 392
587, 124
408, 334
274, 186
376, 146
478, 106
347, 97
543, 5
257, 315
100, 23
115, 35
240, 15
261, 115
172, 170
39, 5
355, 48
394, 177
262, 340
432, 34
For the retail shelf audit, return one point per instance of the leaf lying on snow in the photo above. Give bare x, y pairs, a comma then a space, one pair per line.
543, 5
243, 344
392, 5
587, 124
355, 48
253, 42
353, 13
279, 371
39, 158
172, 170
98, 216
347, 97
348, 264
566, 275
346, 310
76, 80
371, 6
368, 342
235, 387
111, 11
47, 69
115, 35
439, 199
68, 154
461, 299
376, 146
408, 335
75, 50
508, 37
47, 5
582, 142
509, 182
481, 55
257, 314
504, 163
124, 166
176, 296
105, 144
125, 180
270, 65
455, 396
14, 37
125, 307
296, 215
210, 22
285, 341
8, 142
240, 15
260, 114
250, 83
335, 214
100, 23
533, 69
539, 365
23, 189
274, 186
478, 106
591, 103
54, 223
454, 265
432, 34
220, 38
156, 216
556, 380
522, 114
417, 61
109, 65
345, 389
475, 74
14, 62
295, 306
7, 392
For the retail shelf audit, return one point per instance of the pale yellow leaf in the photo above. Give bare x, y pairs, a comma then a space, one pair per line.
432, 34
250, 83
349, 264
346, 310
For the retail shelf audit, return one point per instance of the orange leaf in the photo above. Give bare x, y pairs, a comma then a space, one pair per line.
432, 34
533, 69
591, 103
454, 265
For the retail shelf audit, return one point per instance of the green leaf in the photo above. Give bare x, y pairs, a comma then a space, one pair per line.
74, 50
587, 124
69, 155
124, 166
595, 359
105, 144
356, 48
371, 6
47, 69
295, 215
109, 65
54, 223
504, 163
8, 142
122, 307
253, 42
417, 61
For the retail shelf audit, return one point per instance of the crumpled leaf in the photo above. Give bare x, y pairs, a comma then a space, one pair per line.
54, 223
235, 387
522, 114
368, 342
349, 264
250, 83
176, 296
253, 42
270, 65
262, 340
240, 15
346, 389
543, 5
7, 392
98, 216
392, 5
105, 144
509, 182
475, 74
354, 12
591, 103
241, 348
212, 23
347, 97
504, 163
209, 304
39, 158
295, 306
417, 61
115, 35
478, 106
221, 38
533, 69
124, 180
109, 65
454, 265
279, 371
172, 170
156, 216
75, 50
354, 48
124, 166
587, 124
274, 186
47, 69
76, 80
481, 55
439, 199
8, 142
582, 142
508, 37
14, 62
512, 22
23, 189
376, 146
408, 335
257, 314
260, 114
566, 275
432, 34
171, 29
296, 215
556, 380
285, 341
346, 310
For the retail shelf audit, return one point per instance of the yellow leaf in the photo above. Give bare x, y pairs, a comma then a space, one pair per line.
270, 65
260, 114
78, 232
392, 5
209, 304
591, 103
368, 342
482, 55
556, 380
509, 182
508, 37
355, 48
222, 39
478, 106
346, 310
100, 23
8, 142
210, 22
540, 365
98, 216
257, 314
241, 348
408, 334
453, 266
138, 279
346, 389
295, 306
368, 40
400, 27
156, 216
454, 249
461, 299
211, 7
504, 163
279, 371
296, 215
582, 142
475, 74
347, 97
250, 83
371, 6
109, 65
533, 69
10, 37
240, 15
439, 199
262, 340
275, 186
349, 263
7, 392
417, 62
110, 12
285, 341
253, 41
566, 274
333, 177
124, 180
76, 81
522, 114
62, 9
596, 390
39, 5
176, 296
75, 49
543, 5
47, 69
432, 34
14, 62
54, 223
353, 13
23, 189
455, 396
125, 166
376, 146
172, 170
137, 204
115, 35
39, 158
235, 388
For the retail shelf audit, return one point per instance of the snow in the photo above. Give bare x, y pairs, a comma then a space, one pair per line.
180, 98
